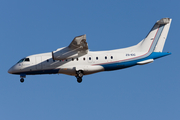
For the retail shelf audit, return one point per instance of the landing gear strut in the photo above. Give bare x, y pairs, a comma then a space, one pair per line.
22, 76
79, 75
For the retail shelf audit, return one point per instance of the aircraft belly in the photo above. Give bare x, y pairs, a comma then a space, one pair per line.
68, 71
87, 69
93, 69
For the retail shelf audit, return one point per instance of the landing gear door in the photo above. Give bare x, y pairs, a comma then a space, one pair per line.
38, 63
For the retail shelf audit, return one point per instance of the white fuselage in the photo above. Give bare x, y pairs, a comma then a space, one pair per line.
89, 63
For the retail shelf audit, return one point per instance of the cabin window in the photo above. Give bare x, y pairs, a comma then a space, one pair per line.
84, 58
77, 59
72, 59
89, 58
59, 60
111, 57
105, 57
96, 58
66, 60
47, 60
53, 60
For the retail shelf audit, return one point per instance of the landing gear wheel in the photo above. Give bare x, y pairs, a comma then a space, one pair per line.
79, 76
79, 73
21, 80
79, 80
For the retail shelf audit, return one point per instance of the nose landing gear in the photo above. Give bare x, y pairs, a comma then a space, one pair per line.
79, 75
22, 80
22, 76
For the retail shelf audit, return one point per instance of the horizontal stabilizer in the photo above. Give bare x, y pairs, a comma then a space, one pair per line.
145, 62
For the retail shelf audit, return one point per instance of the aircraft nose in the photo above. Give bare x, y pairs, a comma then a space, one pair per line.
10, 70
13, 69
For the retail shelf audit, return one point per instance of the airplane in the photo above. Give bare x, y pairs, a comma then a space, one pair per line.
76, 59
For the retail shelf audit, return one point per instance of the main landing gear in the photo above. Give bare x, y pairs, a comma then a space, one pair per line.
79, 75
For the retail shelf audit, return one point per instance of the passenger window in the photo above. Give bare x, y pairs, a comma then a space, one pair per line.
84, 58
111, 57
89, 58
47, 60
96, 58
72, 59
77, 59
105, 57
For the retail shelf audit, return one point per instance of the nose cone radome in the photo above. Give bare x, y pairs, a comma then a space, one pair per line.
10, 71
13, 69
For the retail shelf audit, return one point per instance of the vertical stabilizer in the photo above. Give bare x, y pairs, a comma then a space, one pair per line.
155, 40
160, 45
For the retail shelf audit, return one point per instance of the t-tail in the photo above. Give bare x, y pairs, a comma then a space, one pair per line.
155, 40
153, 44
166, 22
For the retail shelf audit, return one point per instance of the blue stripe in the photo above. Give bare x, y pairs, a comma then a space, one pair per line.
121, 65
50, 71
157, 38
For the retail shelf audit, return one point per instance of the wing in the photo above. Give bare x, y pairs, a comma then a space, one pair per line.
79, 43
77, 48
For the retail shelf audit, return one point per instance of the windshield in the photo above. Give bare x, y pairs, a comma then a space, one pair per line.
24, 59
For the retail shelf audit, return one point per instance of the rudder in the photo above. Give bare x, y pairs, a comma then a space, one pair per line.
160, 44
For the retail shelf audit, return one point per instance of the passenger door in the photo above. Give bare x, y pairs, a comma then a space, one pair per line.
38, 63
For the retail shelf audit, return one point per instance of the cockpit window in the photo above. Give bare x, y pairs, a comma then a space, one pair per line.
24, 59
21, 60
27, 59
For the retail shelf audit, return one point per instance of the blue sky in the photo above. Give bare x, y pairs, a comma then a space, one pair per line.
149, 92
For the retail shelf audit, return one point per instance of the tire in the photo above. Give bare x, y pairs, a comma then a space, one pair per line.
79, 80
21, 80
